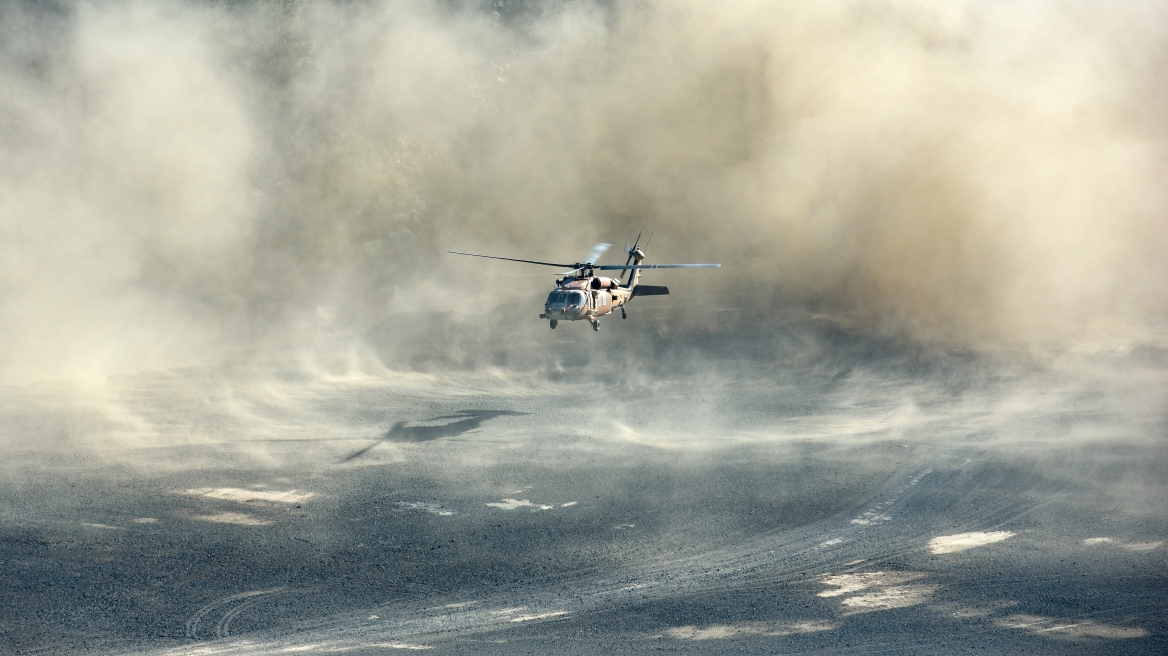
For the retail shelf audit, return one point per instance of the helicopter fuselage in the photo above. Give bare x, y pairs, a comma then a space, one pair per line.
585, 298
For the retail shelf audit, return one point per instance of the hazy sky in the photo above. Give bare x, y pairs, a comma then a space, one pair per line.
182, 180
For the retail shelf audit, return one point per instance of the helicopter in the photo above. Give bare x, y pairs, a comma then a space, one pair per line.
581, 295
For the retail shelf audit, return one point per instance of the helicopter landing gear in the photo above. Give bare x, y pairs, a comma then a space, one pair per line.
553, 323
596, 325
623, 315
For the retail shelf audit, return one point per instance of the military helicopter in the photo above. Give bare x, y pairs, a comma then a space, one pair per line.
581, 295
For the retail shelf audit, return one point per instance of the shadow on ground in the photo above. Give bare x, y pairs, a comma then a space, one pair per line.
465, 421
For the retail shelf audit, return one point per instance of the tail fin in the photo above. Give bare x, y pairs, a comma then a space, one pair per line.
629, 250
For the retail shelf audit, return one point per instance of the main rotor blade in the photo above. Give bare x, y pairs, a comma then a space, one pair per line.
616, 267
596, 252
511, 259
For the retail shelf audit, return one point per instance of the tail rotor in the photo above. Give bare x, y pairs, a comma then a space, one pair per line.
633, 252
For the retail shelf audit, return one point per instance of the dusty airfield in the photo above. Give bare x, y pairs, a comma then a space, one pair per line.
249, 405
858, 498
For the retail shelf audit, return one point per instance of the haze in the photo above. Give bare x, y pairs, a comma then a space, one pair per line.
247, 397
186, 180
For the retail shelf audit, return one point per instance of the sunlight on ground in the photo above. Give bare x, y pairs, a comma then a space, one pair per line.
944, 544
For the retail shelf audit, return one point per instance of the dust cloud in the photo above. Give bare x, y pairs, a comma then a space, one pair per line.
225, 224
185, 182
241, 381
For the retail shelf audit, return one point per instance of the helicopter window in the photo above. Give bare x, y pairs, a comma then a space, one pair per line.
565, 298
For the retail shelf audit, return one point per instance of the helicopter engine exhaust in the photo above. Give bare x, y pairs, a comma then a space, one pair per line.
605, 283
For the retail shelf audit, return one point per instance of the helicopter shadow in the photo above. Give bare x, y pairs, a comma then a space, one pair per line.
465, 421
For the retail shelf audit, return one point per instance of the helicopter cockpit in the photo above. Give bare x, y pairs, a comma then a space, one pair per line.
566, 299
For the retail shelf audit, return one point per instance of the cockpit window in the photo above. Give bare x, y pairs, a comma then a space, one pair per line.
564, 298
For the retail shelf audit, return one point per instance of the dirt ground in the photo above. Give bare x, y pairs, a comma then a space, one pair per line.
854, 497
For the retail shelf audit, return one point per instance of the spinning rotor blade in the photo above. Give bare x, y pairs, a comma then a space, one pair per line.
511, 259
616, 267
596, 252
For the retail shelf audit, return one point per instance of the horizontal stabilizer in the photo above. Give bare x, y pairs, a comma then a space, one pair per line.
650, 290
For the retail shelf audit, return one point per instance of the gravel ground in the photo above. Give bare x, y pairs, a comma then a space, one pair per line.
881, 504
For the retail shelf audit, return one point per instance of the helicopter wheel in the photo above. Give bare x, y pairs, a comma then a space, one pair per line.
623, 315
553, 323
595, 325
